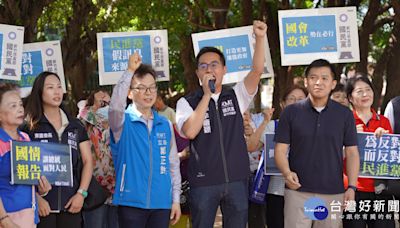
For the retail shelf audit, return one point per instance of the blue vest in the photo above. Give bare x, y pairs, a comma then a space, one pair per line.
141, 160
219, 151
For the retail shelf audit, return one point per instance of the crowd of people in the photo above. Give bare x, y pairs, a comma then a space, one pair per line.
165, 169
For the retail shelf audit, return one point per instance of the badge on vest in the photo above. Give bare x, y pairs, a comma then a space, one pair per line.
206, 124
72, 140
228, 109
43, 135
162, 143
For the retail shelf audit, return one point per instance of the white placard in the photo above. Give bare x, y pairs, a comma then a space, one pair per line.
310, 34
237, 44
11, 41
114, 49
39, 57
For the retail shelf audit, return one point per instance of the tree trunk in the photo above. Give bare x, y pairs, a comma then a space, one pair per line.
247, 12
23, 13
186, 56
366, 29
219, 12
377, 77
78, 44
282, 79
393, 63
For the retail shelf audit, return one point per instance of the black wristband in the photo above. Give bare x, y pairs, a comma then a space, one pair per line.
352, 187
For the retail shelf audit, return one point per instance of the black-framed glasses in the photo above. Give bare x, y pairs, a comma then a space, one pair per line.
204, 66
144, 89
104, 103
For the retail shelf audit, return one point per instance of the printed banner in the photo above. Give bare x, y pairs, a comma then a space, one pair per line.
115, 48
39, 57
11, 41
31, 160
237, 44
309, 34
379, 157
269, 157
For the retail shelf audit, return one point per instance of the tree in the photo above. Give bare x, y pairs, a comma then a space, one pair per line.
76, 23
23, 13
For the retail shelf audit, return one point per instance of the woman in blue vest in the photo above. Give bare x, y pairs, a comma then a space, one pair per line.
148, 181
17, 202
276, 186
48, 122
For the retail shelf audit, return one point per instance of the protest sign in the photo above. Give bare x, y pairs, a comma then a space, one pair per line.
114, 49
379, 157
31, 160
237, 45
269, 157
11, 41
310, 34
39, 57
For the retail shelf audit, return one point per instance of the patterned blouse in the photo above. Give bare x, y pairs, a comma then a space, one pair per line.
99, 134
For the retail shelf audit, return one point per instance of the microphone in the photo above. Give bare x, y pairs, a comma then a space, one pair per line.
211, 84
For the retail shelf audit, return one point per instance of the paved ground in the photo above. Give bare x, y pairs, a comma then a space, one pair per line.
218, 220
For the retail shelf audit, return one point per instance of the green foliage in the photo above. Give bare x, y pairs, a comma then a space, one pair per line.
174, 15
51, 24
148, 15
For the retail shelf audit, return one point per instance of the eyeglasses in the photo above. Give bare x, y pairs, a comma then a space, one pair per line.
104, 103
361, 92
293, 99
204, 66
143, 89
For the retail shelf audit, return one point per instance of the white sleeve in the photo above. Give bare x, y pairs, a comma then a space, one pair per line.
243, 97
270, 128
183, 112
118, 103
389, 114
174, 168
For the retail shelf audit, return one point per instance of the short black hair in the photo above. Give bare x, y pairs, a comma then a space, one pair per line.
320, 63
352, 82
143, 70
339, 88
210, 49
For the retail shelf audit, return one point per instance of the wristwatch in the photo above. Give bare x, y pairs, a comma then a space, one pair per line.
352, 187
83, 192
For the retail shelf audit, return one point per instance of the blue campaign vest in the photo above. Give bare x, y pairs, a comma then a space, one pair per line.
141, 160
219, 152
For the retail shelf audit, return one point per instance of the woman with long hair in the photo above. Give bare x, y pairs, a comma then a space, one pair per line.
95, 118
48, 122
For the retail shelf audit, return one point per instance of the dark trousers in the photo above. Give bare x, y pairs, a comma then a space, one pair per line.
232, 199
133, 217
256, 215
105, 216
275, 216
61, 220
372, 223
